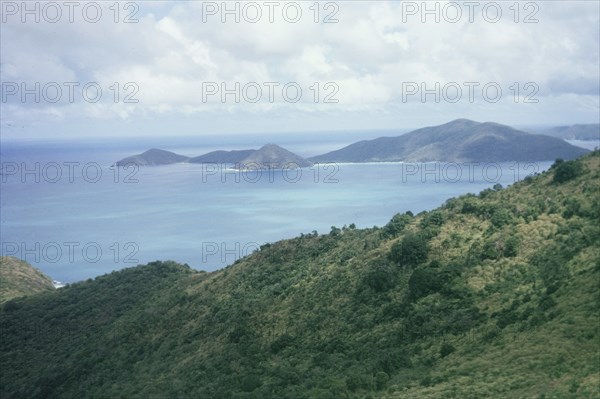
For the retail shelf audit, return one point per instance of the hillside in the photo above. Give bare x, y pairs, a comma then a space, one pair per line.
575, 132
153, 157
19, 278
493, 295
461, 140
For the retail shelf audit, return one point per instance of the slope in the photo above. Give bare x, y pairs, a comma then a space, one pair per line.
491, 295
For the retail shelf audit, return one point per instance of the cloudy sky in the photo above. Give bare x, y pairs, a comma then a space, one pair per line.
161, 68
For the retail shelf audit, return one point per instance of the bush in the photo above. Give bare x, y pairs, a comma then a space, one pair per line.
565, 171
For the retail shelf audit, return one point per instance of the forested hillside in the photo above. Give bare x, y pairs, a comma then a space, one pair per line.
494, 295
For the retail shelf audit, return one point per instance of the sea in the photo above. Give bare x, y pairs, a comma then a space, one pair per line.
68, 211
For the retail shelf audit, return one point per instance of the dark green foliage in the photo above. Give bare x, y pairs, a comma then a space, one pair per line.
381, 277
565, 171
432, 219
551, 262
424, 281
446, 349
396, 225
411, 251
572, 208
501, 217
381, 380
511, 246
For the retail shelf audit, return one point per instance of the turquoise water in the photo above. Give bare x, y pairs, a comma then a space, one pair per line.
80, 225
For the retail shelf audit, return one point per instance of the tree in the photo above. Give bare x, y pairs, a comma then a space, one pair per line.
565, 171
381, 277
396, 225
411, 251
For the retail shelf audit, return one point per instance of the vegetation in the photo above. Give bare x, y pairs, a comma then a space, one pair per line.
494, 295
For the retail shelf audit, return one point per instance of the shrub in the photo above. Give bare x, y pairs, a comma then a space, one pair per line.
565, 171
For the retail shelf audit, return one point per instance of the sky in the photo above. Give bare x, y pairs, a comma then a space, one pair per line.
152, 68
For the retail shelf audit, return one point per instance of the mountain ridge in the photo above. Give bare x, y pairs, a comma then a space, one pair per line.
461, 140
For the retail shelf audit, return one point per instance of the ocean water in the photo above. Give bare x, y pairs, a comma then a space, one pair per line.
66, 210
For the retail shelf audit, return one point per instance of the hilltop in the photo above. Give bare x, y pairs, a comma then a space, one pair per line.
19, 278
492, 295
272, 156
461, 140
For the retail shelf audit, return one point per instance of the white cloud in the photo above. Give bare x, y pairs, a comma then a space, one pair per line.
371, 53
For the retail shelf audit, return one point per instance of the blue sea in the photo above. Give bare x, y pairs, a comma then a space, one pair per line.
68, 212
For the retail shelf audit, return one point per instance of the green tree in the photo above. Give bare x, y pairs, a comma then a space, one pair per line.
411, 251
565, 171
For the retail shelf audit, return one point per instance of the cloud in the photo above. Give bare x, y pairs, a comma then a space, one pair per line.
370, 54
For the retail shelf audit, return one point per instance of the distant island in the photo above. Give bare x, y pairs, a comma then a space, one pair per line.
153, 157
269, 156
461, 140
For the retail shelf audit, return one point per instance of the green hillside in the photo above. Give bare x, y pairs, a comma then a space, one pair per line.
493, 295
18, 278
